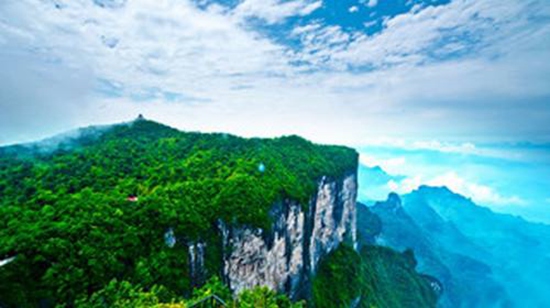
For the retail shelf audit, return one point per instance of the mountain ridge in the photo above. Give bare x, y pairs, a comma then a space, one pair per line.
442, 226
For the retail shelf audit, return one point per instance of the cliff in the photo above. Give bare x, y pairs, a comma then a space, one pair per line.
285, 257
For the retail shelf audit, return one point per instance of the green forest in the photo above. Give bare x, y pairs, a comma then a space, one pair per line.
373, 277
88, 217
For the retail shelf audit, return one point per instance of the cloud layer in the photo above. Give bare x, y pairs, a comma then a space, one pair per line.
458, 70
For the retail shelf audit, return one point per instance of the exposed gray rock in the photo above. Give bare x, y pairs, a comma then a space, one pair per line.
334, 217
284, 258
196, 261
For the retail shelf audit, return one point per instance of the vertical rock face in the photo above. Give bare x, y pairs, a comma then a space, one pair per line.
334, 216
284, 257
196, 262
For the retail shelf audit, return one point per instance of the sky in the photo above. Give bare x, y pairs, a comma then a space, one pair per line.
406, 80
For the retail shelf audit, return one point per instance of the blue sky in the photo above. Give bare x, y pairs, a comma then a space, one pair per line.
370, 74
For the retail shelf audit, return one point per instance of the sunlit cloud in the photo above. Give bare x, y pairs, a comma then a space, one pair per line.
392, 165
481, 194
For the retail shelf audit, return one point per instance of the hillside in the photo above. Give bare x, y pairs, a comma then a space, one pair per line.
374, 276
482, 258
141, 202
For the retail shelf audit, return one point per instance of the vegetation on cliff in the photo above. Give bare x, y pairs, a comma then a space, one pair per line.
374, 277
390, 280
211, 294
338, 281
103, 206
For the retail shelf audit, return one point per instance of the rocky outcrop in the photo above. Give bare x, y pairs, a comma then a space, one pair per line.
334, 217
196, 262
285, 257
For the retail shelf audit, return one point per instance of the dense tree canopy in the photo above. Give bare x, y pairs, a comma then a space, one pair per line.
374, 277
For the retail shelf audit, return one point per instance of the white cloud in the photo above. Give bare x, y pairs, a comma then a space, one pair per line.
372, 3
407, 36
481, 194
463, 148
353, 9
390, 165
369, 24
305, 29
498, 71
275, 11
466, 148
406, 185
189, 58
411, 38
417, 175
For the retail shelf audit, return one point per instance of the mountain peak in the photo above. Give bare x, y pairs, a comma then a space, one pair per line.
141, 127
393, 203
436, 189
394, 199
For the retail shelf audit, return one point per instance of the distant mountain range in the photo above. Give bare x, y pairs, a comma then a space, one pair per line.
482, 258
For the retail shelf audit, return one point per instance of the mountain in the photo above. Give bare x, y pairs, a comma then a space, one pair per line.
516, 250
392, 280
139, 214
461, 277
483, 259
374, 183
141, 207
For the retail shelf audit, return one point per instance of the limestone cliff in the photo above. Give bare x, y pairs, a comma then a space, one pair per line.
285, 257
